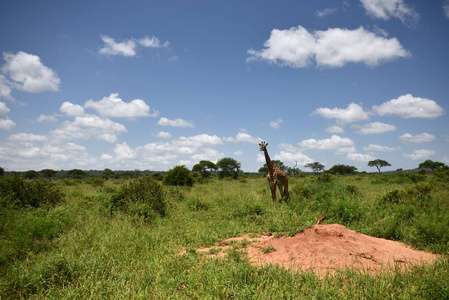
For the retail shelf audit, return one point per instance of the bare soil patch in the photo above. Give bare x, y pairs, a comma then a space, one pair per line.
325, 249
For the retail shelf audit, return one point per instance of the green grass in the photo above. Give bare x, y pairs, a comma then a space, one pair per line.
79, 250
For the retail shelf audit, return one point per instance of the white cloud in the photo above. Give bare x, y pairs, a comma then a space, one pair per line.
208, 154
174, 123
353, 113
123, 151
71, 109
114, 107
47, 118
335, 142
198, 141
238, 152
163, 135
407, 106
275, 124
298, 48
152, 42
421, 154
325, 12
5, 122
290, 156
335, 129
446, 8
126, 48
378, 148
359, 157
27, 137
28, 73
384, 9
5, 89
243, 137
419, 138
88, 127
374, 128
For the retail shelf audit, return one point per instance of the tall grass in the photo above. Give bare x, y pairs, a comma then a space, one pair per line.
80, 250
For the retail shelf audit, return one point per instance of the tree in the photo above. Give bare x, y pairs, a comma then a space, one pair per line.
48, 173
342, 169
228, 167
31, 174
279, 164
431, 165
378, 163
107, 173
315, 166
205, 168
179, 175
2, 171
76, 173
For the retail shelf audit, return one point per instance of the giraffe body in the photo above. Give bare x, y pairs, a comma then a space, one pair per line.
275, 177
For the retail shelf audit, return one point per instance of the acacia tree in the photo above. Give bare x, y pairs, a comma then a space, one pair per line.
378, 163
431, 165
315, 166
205, 168
342, 169
48, 173
228, 167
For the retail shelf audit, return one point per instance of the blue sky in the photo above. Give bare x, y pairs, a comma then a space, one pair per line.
156, 84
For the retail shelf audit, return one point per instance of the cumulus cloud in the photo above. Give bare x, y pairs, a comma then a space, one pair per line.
27, 137
5, 89
378, 148
71, 109
88, 127
407, 106
27, 73
374, 128
5, 122
275, 124
47, 118
446, 8
243, 137
419, 138
335, 129
384, 9
420, 154
353, 113
174, 123
198, 141
152, 42
359, 157
325, 12
163, 135
111, 47
290, 155
114, 107
208, 154
335, 142
298, 48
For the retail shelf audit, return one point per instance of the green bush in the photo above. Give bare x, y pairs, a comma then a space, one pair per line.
325, 177
17, 192
416, 194
179, 175
141, 197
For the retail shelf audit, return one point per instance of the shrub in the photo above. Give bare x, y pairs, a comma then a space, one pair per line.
415, 194
142, 197
16, 192
303, 190
179, 175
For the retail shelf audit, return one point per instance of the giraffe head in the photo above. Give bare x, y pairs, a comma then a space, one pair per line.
263, 146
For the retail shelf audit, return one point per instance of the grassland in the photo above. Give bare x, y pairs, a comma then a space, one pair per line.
80, 248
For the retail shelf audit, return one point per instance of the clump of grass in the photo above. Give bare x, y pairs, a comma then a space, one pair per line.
268, 249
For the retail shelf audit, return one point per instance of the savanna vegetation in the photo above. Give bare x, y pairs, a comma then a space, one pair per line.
109, 238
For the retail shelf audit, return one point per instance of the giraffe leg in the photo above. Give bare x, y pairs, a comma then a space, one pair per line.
286, 189
273, 192
279, 184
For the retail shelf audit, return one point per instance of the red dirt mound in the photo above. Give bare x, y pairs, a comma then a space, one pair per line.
324, 249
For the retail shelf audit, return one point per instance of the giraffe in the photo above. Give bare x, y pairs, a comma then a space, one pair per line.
275, 176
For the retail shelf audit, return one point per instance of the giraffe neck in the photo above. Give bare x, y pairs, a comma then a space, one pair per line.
270, 164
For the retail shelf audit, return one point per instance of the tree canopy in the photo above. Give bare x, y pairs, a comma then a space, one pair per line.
431, 165
378, 163
228, 167
342, 169
205, 168
315, 166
